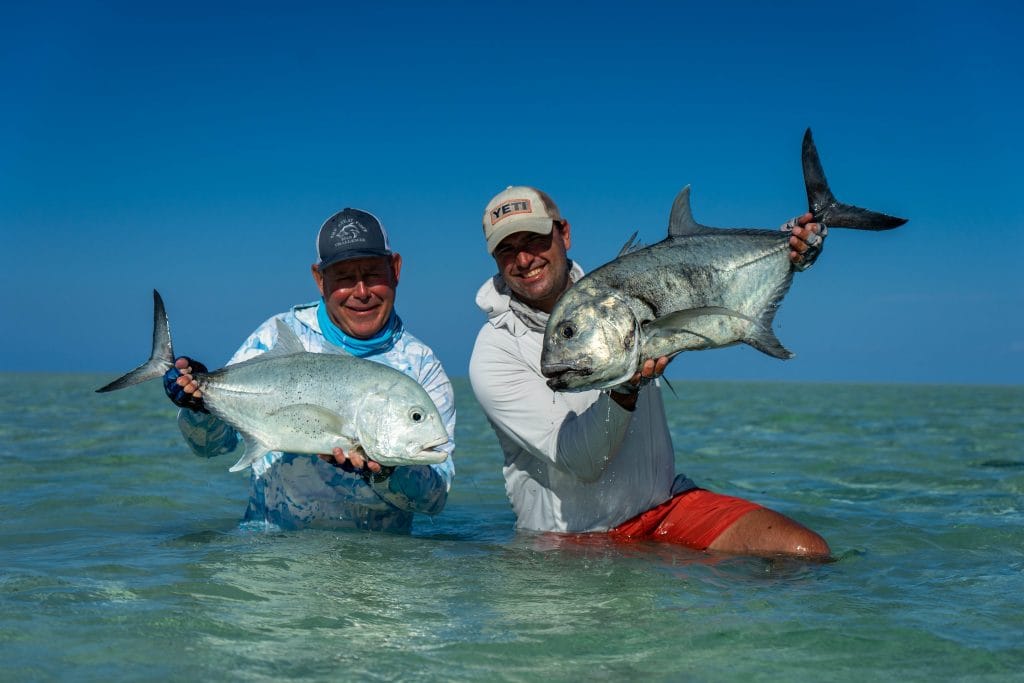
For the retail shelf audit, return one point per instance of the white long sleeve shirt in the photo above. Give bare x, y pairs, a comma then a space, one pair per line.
574, 462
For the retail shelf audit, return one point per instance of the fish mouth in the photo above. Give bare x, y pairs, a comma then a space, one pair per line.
429, 452
430, 457
432, 445
559, 374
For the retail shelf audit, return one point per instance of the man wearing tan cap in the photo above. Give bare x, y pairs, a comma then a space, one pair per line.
356, 275
596, 461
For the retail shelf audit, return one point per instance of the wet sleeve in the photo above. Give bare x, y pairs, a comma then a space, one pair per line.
577, 433
207, 435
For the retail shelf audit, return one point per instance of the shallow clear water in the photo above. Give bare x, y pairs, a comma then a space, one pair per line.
122, 557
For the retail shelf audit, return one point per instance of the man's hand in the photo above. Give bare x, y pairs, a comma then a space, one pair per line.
181, 387
625, 394
357, 461
806, 240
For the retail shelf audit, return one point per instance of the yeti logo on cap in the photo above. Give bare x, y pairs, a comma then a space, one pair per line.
510, 208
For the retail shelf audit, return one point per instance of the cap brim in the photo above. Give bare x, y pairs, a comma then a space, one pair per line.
349, 255
541, 226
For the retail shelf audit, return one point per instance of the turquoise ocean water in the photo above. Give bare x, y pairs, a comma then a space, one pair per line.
122, 557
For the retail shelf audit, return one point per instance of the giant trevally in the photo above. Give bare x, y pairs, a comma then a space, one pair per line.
699, 288
288, 399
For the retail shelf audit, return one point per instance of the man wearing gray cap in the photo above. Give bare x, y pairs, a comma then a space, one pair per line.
596, 461
357, 276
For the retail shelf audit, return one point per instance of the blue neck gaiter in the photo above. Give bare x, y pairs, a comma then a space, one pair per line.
378, 343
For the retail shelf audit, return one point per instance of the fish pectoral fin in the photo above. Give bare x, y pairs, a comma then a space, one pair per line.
311, 421
685, 320
308, 414
673, 331
689, 321
711, 311
295, 426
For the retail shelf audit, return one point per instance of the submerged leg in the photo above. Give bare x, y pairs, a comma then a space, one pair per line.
705, 520
766, 532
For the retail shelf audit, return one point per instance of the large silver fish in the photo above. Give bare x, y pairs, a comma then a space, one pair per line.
699, 288
288, 399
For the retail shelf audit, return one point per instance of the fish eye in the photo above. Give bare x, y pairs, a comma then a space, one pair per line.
416, 415
568, 331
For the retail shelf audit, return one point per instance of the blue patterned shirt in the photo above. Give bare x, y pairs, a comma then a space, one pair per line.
295, 490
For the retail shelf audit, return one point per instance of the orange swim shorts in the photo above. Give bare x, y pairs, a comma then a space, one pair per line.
694, 518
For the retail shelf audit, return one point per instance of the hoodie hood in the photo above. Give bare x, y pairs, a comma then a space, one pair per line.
305, 314
495, 299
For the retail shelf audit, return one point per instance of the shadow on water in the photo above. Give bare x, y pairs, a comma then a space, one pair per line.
1002, 464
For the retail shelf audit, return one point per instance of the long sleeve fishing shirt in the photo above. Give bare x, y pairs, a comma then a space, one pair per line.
293, 490
574, 462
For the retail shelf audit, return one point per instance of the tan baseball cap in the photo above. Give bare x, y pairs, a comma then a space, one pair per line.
518, 208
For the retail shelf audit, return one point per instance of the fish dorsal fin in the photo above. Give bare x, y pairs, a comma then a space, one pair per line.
288, 342
680, 221
632, 244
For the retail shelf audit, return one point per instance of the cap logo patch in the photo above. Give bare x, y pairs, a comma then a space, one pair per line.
347, 231
510, 208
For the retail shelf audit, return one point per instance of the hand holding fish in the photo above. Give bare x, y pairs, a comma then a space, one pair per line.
806, 240
353, 461
650, 369
181, 387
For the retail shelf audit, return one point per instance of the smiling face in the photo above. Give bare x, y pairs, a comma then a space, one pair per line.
360, 293
534, 266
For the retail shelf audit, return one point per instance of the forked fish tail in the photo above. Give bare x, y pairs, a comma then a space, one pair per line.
161, 358
829, 210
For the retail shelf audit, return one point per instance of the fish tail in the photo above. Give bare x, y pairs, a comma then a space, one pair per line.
829, 210
161, 359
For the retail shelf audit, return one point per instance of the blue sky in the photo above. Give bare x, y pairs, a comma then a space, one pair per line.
196, 149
